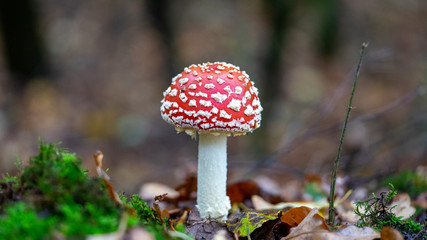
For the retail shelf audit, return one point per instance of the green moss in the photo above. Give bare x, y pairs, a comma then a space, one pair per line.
144, 212
21, 221
146, 216
54, 186
53, 193
375, 212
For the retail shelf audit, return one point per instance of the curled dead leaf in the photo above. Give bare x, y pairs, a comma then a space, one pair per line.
403, 208
311, 223
294, 217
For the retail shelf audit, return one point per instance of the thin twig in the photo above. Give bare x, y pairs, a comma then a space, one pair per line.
334, 172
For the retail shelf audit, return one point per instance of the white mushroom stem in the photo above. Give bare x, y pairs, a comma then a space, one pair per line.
212, 200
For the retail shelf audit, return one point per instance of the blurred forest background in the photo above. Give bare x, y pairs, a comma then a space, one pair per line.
90, 74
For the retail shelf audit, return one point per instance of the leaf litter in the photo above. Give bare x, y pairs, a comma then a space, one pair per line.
257, 213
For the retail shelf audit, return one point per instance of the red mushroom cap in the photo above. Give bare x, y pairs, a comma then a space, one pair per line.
212, 97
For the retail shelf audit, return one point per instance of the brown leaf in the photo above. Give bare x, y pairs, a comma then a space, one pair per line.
241, 191
311, 223
294, 216
390, 234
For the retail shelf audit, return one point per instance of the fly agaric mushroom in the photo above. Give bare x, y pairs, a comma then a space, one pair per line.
215, 100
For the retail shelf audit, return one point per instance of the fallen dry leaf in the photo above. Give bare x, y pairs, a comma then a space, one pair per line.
312, 228
403, 207
309, 225
244, 223
241, 191
390, 234
294, 216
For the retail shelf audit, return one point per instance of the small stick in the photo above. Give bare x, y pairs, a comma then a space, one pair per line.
334, 172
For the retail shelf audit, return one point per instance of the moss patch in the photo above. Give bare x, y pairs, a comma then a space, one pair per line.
53, 194
376, 213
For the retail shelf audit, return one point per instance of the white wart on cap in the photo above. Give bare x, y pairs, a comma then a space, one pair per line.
212, 97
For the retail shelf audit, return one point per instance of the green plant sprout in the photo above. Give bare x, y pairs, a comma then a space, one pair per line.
375, 212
